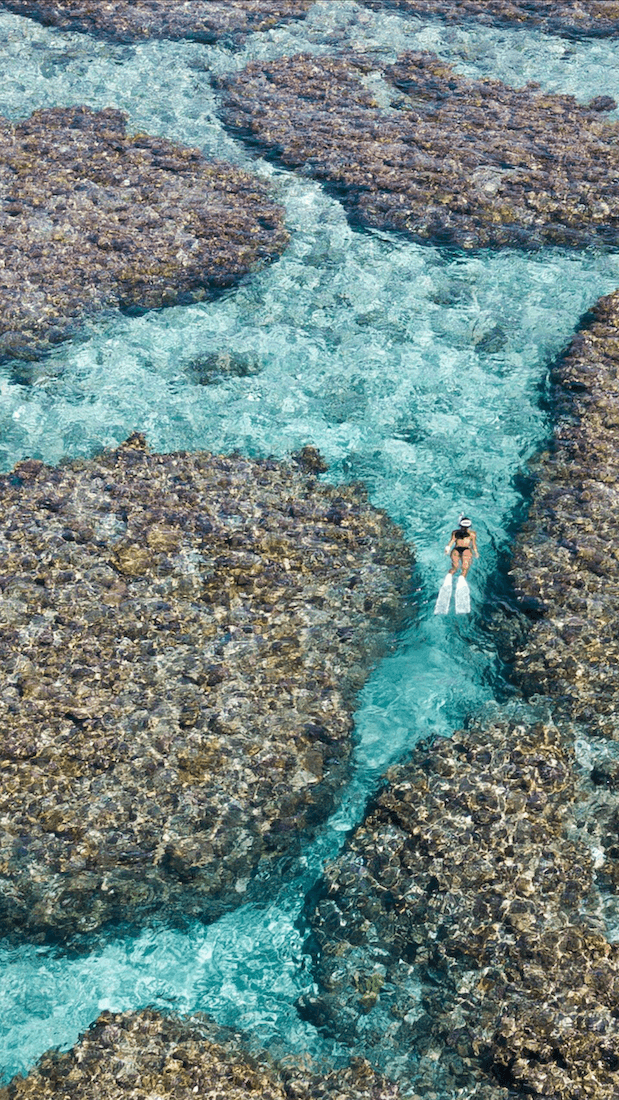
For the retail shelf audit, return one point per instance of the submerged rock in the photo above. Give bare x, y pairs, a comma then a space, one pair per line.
136, 20
217, 366
144, 1054
453, 926
92, 218
181, 640
471, 163
572, 18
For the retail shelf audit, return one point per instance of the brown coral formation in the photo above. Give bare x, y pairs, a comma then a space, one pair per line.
565, 569
566, 558
573, 19
461, 877
453, 161
136, 20
93, 218
144, 1054
181, 639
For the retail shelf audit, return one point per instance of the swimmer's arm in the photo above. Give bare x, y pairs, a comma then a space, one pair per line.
474, 541
452, 542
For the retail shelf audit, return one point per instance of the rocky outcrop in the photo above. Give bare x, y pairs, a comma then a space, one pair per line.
145, 1054
136, 20
566, 572
212, 20
462, 878
565, 565
92, 218
181, 640
572, 18
443, 159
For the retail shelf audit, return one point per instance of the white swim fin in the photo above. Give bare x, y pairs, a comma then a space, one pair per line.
463, 597
444, 596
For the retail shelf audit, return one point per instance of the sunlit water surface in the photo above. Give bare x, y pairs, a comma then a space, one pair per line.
419, 371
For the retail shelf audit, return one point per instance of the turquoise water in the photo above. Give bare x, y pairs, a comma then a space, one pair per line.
421, 372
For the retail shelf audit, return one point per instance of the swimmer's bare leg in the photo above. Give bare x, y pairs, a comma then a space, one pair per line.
455, 562
467, 558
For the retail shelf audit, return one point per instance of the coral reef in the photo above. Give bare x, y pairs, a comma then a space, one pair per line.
462, 878
571, 18
449, 160
566, 557
565, 572
213, 20
144, 1054
136, 20
181, 640
93, 218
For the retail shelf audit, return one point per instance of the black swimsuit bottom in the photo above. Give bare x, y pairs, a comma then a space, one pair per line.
460, 549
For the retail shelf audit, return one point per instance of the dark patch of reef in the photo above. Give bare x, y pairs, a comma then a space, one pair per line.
138, 20
465, 163
220, 366
92, 218
572, 19
181, 640
144, 1054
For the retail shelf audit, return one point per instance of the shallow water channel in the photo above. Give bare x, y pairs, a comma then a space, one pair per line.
421, 372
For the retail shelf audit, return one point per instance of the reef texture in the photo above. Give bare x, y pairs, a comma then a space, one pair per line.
565, 570
449, 160
92, 218
462, 879
144, 1055
181, 640
136, 20
573, 19
565, 564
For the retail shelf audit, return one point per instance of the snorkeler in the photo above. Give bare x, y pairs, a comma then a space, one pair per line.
464, 543
461, 546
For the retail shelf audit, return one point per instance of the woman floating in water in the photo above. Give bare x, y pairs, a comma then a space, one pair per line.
464, 542
461, 546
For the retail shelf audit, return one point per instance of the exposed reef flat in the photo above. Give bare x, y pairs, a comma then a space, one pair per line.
144, 1054
442, 158
574, 19
136, 20
566, 572
92, 218
566, 558
462, 878
181, 640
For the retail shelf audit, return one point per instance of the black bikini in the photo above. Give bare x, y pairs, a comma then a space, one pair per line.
461, 549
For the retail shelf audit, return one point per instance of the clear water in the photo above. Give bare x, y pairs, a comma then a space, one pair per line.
423, 373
